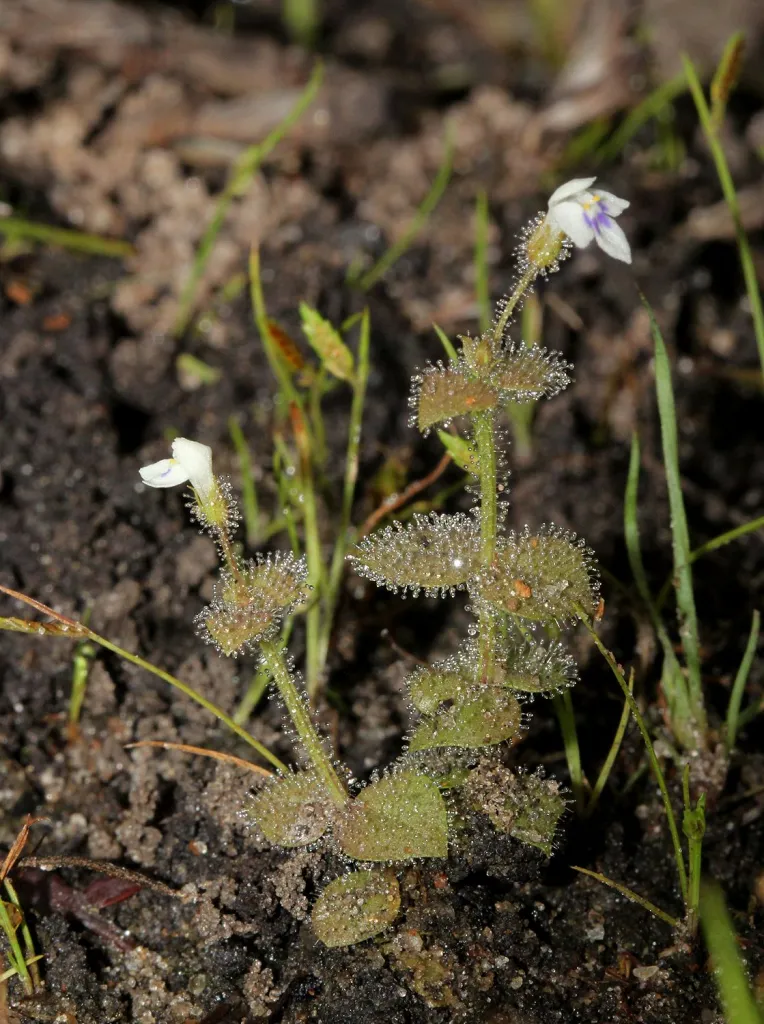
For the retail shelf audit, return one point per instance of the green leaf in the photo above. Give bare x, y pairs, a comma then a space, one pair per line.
485, 718
527, 807
435, 553
731, 975
443, 392
400, 817
680, 535
355, 907
327, 343
527, 373
542, 577
461, 451
430, 686
294, 810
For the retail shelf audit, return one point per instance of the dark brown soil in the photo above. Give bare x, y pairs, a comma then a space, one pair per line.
88, 387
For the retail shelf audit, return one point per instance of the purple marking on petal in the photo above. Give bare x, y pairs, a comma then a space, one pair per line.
588, 221
601, 221
166, 472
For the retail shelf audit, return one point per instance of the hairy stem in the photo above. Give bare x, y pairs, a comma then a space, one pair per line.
273, 655
486, 446
521, 288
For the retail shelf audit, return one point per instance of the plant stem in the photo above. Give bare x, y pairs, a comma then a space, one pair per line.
486, 447
273, 655
509, 307
694, 828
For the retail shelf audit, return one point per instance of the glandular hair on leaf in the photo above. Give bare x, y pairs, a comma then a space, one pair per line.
293, 809
437, 554
486, 717
518, 663
355, 907
523, 373
399, 817
527, 807
542, 577
249, 605
444, 392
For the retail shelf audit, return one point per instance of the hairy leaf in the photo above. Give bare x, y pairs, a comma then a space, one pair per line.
527, 807
483, 719
525, 374
434, 553
293, 810
542, 577
429, 687
249, 606
399, 817
443, 392
355, 907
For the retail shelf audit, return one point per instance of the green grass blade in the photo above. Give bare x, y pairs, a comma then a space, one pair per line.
725, 78
738, 687
688, 622
306, 499
732, 982
660, 778
713, 545
563, 706
629, 894
431, 200
612, 754
76, 241
30, 956
343, 538
730, 196
82, 660
15, 954
482, 287
650, 107
240, 178
249, 504
301, 19
446, 342
674, 683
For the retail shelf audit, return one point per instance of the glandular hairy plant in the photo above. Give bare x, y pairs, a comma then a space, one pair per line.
523, 589
469, 707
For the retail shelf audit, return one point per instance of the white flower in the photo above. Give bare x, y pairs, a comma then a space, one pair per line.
583, 215
191, 462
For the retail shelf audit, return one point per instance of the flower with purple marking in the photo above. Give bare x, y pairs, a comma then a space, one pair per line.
584, 215
191, 462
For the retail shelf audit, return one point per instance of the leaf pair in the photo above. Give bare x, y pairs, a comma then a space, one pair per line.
473, 384
541, 577
399, 817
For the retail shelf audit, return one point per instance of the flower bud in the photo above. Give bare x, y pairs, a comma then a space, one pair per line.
544, 245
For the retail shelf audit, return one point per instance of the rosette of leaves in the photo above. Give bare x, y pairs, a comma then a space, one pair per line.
249, 604
485, 376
